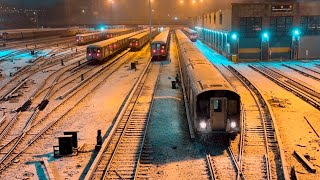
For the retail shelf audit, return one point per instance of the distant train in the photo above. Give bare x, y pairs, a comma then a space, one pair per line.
160, 45
214, 105
192, 34
34, 33
83, 39
107, 48
138, 41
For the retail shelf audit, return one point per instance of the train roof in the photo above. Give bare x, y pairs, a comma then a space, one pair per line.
138, 36
91, 34
130, 34
115, 39
162, 37
105, 31
190, 30
203, 75
15, 31
118, 30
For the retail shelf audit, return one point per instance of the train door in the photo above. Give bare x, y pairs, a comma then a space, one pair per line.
218, 112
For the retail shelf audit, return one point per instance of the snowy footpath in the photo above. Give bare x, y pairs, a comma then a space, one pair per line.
174, 155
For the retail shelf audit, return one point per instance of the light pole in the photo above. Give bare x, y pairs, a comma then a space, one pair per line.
150, 23
111, 13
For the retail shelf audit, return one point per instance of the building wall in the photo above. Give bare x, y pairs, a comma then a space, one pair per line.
264, 30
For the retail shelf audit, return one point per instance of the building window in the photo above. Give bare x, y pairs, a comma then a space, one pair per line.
250, 26
210, 19
220, 18
214, 18
281, 25
310, 25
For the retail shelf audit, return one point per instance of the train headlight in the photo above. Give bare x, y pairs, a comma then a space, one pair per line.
233, 124
203, 125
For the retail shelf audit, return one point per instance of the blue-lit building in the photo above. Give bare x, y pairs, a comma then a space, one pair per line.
268, 30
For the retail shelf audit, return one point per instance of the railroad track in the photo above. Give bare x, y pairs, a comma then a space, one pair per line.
224, 166
119, 157
310, 69
36, 46
296, 87
28, 71
302, 72
260, 145
34, 131
15, 43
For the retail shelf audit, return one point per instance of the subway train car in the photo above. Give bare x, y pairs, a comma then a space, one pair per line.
192, 34
32, 33
83, 39
107, 48
90, 37
214, 105
160, 45
138, 41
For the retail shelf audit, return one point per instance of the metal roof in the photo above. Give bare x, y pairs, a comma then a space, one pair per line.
162, 37
203, 75
138, 36
190, 30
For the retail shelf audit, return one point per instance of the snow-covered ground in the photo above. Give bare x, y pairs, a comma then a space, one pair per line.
289, 110
174, 155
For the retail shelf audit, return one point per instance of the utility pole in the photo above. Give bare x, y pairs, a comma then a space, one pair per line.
150, 23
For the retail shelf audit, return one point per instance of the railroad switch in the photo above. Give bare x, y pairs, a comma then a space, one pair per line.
99, 140
68, 144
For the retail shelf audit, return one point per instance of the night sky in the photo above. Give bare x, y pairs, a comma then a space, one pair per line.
33, 3
132, 9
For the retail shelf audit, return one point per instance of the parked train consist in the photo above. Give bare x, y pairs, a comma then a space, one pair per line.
83, 39
138, 41
160, 45
107, 48
33, 33
213, 103
192, 34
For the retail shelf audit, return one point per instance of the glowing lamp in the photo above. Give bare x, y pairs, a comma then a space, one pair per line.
203, 125
233, 124
234, 36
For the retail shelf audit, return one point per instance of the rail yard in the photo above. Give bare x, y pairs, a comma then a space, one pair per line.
191, 89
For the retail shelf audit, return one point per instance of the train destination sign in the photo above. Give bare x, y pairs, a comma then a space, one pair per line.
281, 8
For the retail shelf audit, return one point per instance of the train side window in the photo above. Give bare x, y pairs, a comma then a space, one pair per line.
217, 105
158, 46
